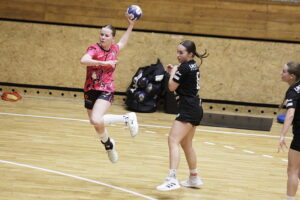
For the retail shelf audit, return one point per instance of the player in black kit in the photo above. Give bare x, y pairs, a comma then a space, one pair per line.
291, 75
184, 80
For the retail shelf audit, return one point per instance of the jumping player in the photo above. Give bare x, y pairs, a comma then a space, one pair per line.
291, 74
101, 61
184, 80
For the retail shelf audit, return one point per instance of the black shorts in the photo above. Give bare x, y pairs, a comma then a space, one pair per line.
190, 110
295, 145
91, 96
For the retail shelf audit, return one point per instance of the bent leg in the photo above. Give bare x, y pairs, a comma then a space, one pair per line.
187, 146
96, 117
178, 131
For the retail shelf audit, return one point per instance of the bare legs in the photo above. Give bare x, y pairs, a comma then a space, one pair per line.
293, 172
181, 133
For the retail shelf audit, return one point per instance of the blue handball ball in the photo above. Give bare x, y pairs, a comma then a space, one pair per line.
134, 12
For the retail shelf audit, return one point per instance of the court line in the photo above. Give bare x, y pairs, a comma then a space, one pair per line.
267, 156
209, 143
246, 151
77, 177
147, 125
228, 147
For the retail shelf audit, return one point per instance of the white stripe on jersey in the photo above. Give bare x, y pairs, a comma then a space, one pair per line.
289, 104
178, 73
176, 77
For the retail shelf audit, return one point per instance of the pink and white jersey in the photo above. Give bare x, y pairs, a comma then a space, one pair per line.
101, 77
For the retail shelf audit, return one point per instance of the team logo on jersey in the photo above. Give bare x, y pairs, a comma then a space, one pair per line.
297, 89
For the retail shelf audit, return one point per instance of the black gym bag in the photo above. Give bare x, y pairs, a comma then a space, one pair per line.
146, 88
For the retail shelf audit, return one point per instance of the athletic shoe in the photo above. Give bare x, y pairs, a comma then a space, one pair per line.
132, 124
193, 181
110, 148
169, 184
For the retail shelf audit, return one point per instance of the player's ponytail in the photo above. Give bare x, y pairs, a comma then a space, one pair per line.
191, 48
201, 56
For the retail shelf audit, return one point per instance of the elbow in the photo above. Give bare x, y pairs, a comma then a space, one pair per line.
82, 61
290, 117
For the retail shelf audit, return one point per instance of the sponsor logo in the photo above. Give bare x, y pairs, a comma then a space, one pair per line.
193, 66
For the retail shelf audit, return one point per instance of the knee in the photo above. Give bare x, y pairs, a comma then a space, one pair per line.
292, 171
96, 121
173, 140
186, 145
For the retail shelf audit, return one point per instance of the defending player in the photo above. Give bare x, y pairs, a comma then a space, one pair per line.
184, 80
101, 61
291, 74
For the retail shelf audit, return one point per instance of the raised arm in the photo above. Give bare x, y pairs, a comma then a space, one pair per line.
124, 39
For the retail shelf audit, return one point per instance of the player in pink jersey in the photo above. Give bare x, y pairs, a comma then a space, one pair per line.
101, 61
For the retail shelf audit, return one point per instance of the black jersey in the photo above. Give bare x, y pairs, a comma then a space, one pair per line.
189, 104
292, 99
188, 77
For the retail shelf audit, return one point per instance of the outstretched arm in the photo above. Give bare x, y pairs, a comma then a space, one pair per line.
124, 39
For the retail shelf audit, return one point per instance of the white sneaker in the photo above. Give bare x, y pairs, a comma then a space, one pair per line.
169, 184
193, 181
112, 153
132, 124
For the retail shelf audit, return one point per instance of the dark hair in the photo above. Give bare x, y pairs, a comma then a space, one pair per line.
113, 30
191, 48
293, 68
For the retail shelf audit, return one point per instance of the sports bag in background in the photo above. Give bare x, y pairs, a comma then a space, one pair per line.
146, 88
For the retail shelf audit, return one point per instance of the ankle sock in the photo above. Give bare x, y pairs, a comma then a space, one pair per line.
108, 145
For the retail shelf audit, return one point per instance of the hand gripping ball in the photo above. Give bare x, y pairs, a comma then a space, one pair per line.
134, 12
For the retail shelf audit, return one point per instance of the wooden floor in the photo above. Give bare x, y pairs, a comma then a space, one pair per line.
48, 150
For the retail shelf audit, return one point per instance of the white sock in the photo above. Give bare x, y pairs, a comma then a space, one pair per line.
193, 172
112, 119
290, 198
103, 136
172, 173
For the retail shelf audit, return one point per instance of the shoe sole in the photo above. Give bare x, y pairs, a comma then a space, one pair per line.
191, 186
168, 189
133, 115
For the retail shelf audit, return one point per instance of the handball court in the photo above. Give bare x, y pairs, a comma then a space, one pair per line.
49, 151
